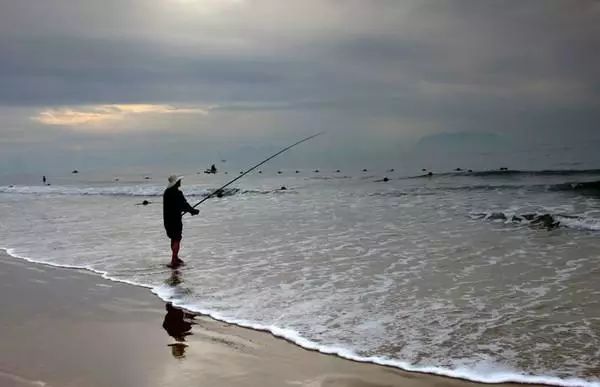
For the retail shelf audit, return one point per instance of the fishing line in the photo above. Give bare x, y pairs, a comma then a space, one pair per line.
219, 190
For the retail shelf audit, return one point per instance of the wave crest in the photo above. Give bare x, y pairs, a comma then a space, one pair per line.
515, 172
541, 219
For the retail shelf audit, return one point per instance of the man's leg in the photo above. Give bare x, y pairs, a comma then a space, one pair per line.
175, 249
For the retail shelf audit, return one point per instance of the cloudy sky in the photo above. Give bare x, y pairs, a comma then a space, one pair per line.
117, 83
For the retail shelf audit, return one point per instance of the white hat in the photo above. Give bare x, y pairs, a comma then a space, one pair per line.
173, 179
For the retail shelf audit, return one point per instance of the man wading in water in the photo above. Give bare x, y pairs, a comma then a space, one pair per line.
174, 205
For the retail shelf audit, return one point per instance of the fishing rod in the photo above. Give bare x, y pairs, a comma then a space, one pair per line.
219, 190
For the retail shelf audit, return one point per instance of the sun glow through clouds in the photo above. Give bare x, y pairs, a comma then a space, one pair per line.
206, 6
90, 115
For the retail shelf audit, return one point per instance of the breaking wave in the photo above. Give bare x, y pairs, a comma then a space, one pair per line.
586, 186
132, 190
578, 187
541, 219
514, 172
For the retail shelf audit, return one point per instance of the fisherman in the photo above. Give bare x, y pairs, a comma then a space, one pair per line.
174, 206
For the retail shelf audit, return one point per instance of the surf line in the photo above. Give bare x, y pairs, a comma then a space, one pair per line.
220, 190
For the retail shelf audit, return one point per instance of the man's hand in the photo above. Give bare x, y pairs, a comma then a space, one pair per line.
194, 212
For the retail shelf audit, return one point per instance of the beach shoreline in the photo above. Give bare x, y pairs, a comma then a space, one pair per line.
69, 327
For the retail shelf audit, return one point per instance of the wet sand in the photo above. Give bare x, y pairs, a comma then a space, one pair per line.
71, 328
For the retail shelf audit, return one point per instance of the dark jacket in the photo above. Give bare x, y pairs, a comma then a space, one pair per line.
174, 205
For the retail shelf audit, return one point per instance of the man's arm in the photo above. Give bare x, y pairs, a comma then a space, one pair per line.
185, 206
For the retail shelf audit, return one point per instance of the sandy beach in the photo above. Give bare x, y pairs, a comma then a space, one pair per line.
67, 328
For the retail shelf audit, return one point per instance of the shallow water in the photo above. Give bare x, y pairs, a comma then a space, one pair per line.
420, 273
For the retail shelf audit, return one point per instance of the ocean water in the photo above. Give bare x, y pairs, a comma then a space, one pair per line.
490, 276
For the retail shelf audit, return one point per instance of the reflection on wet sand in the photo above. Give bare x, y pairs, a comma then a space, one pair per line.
175, 278
177, 322
178, 325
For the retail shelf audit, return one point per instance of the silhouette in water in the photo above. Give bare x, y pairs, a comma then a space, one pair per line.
211, 170
44, 179
178, 327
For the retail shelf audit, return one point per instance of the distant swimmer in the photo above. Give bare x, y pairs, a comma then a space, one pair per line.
147, 178
144, 203
279, 172
316, 171
337, 171
391, 170
385, 180
429, 173
297, 171
174, 205
424, 170
283, 188
458, 169
211, 170
75, 171
365, 170
259, 171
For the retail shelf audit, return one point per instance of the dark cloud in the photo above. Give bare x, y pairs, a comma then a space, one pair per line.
399, 69
467, 47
